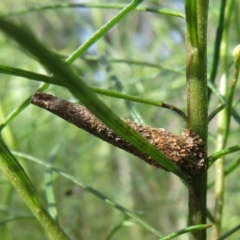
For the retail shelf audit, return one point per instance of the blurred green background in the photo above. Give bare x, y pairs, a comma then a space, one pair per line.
157, 196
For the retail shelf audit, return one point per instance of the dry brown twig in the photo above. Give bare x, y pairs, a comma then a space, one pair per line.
186, 150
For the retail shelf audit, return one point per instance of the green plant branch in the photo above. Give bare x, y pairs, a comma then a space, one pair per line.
212, 158
229, 233
49, 189
224, 120
191, 19
77, 53
214, 89
222, 129
21, 107
223, 101
216, 111
217, 44
197, 77
114, 94
10, 219
51, 80
236, 116
234, 165
120, 88
236, 55
196, 72
19, 179
186, 230
100, 32
85, 95
229, 107
164, 11
210, 216
117, 228
133, 62
91, 190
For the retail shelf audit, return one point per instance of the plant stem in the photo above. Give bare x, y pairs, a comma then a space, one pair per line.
91, 190
223, 125
82, 92
157, 10
218, 40
219, 154
221, 143
100, 32
20, 181
51, 80
196, 69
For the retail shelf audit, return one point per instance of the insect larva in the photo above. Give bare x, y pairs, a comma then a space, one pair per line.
186, 150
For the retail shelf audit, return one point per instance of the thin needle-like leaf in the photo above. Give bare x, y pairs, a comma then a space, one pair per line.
211, 159
216, 111
90, 189
78, 52
185, 230
85, 95
19, 179
51, 80
164, 11
229, 233
230, 168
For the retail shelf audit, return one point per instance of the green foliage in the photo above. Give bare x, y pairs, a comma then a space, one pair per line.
122, 60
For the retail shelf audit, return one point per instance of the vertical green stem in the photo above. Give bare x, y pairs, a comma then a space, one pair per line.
221, 139
217, 44
223, 126
196, 70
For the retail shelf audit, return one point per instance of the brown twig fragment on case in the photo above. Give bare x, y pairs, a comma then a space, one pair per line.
186, 150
